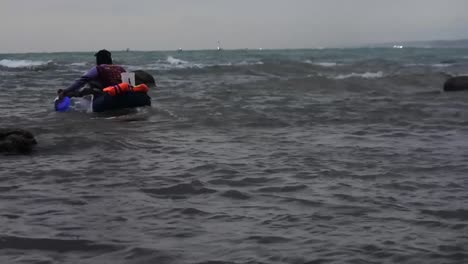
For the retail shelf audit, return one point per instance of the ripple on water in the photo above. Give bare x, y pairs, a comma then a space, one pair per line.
275, 163
182, 190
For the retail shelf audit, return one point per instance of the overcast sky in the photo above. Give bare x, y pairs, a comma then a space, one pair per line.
87, 25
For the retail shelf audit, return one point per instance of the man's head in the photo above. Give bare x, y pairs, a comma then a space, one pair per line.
103, 57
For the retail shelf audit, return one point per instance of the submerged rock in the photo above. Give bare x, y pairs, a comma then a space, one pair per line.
16, 141
458, 83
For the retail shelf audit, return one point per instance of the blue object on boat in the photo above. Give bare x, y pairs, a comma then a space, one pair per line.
62, 105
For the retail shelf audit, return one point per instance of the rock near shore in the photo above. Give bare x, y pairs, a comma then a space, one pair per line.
16, 141
458, 83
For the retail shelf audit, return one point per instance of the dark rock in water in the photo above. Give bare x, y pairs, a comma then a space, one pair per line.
144, 77
458, 83
16, 141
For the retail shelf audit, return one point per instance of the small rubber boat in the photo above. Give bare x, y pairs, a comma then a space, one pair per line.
117, 97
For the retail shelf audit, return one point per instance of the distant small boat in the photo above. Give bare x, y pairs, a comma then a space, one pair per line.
127, 50
219, 47
397, 47
179, 50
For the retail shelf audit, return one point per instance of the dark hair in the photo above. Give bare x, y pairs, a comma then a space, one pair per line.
103, 57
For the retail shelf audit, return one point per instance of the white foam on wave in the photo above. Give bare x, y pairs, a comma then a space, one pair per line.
415, 65
366, 75
323, 64
246, 63
441, 65
22, 63
326, 64
436, 65
175, 61
171, 63
79, 64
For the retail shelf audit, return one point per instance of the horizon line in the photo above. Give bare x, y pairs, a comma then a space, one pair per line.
357, 46
374, 46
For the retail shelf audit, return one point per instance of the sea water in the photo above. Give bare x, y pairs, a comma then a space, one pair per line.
247, 156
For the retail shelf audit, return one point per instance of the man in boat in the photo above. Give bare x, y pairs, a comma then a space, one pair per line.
107, 75
104, 74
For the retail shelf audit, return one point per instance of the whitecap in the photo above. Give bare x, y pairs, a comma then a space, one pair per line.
175, 61
415, 65
366, 75
22, 63
322, 63
79, 64
247, 63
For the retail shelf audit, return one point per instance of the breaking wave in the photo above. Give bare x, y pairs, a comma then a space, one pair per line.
175, 61
25, 64
322, 64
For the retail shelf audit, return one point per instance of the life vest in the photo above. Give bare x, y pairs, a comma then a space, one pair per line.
123, 88
109, 74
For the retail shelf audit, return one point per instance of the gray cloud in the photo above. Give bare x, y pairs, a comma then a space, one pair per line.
61, 25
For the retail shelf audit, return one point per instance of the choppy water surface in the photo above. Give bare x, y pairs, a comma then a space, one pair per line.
306, 156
